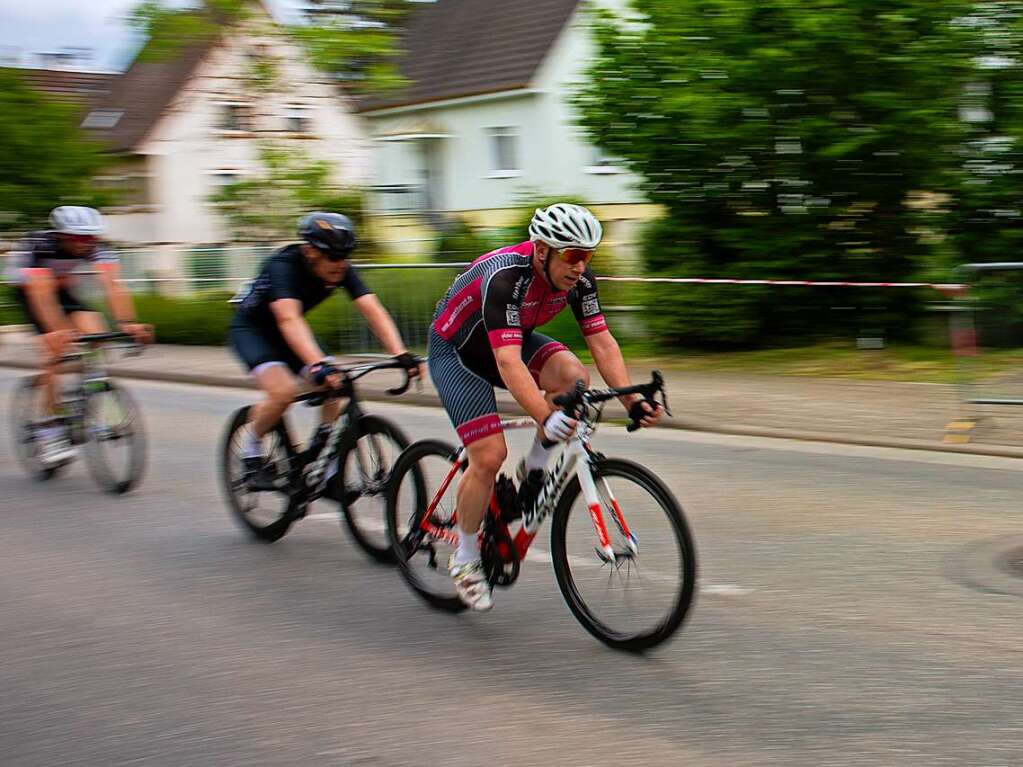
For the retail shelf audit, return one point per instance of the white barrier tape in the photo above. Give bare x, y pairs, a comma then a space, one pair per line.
944, 287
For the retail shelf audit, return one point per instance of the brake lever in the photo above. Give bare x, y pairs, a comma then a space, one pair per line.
404, 386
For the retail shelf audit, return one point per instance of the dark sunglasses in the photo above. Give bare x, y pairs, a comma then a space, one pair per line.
335, 257
83, 239
575, 255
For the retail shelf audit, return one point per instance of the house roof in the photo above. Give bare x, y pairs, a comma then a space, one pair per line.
83, 88
457, 48
139, 97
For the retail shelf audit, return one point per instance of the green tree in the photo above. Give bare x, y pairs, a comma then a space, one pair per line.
168, 29
784, 140
266, 208
357, 44
44, 158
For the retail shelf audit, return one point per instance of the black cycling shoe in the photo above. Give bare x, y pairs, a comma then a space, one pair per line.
259, 476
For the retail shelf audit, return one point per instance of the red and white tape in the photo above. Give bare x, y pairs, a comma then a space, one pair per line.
943, 287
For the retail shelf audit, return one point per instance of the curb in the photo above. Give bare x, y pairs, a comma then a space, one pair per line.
682, 424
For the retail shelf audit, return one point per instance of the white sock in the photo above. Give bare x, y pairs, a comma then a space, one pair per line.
538, 455
468, 547
252, 446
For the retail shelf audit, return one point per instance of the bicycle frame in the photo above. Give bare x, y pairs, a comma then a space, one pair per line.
574, 459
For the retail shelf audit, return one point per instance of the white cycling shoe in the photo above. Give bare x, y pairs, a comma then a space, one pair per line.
471, 584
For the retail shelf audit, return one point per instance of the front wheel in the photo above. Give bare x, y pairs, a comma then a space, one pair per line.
365, 464
116, 446
640, 598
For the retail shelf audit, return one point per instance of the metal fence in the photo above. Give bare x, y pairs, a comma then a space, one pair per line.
185, 293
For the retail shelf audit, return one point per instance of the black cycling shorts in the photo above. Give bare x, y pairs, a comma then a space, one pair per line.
65, 298
255, 347
468, 396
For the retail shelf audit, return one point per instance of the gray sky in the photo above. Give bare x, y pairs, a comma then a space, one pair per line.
31, 26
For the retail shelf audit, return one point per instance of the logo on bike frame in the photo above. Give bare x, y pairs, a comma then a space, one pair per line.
550, 492
315, 476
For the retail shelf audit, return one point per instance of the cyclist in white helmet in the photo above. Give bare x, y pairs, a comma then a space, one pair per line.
44, 268
483, 335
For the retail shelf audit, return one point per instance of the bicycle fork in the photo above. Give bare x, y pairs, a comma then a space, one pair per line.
595, 507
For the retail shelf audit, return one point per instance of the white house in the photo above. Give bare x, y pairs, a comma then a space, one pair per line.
486, 122
186, 125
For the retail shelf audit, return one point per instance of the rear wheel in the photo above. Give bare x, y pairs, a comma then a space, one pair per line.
265, 513
362, 479
417, 492
28, 408
641, 598
116, 446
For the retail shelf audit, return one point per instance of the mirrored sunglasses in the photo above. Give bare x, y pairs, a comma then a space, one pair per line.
575, 255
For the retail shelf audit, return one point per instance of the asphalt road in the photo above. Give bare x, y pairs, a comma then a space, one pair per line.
851, 613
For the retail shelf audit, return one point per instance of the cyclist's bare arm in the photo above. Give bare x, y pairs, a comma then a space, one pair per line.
296, 331
380, 322
519, 380
609, 360
121, 304
41, 292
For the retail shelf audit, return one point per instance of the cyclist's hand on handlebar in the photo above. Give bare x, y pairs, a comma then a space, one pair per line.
411, 364
645, 413
323, 373
57, 340
558, 427
143, 334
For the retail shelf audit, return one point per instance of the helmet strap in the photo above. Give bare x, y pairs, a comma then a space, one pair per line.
546, 271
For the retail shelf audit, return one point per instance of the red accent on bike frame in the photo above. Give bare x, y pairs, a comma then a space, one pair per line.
440, 533
621, 518
425, 523
522, 541
599, 526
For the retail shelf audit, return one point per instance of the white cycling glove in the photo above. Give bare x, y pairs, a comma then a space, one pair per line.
558, 427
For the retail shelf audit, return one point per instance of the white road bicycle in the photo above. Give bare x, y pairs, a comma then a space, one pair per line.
629, 583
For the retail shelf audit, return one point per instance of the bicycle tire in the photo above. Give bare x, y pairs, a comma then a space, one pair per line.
409, 463
22, 403
652, 485
130, 427
275, 529
350, 490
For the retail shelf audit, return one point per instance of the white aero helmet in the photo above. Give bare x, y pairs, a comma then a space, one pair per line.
76, 219
564, 225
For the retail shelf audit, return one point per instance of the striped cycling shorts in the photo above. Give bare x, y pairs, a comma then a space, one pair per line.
468, 395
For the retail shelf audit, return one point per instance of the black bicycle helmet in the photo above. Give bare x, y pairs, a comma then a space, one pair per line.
331, 233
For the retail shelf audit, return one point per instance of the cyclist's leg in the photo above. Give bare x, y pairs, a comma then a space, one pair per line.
469, 401
554, 367
274, 368
555, 370
280, 386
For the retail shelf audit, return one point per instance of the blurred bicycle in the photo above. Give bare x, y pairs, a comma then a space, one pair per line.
362, 446
94, 412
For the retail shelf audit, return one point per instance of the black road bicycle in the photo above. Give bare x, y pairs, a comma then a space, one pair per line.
97, 413
362, 447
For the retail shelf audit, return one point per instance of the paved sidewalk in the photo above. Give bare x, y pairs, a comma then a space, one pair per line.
904, 415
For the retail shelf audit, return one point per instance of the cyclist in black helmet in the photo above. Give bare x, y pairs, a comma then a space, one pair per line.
271, 336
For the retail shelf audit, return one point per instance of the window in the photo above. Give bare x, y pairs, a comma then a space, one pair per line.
233, 116
296, 118
600, 162
102, 118
128, 190
226, 177
504, 151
